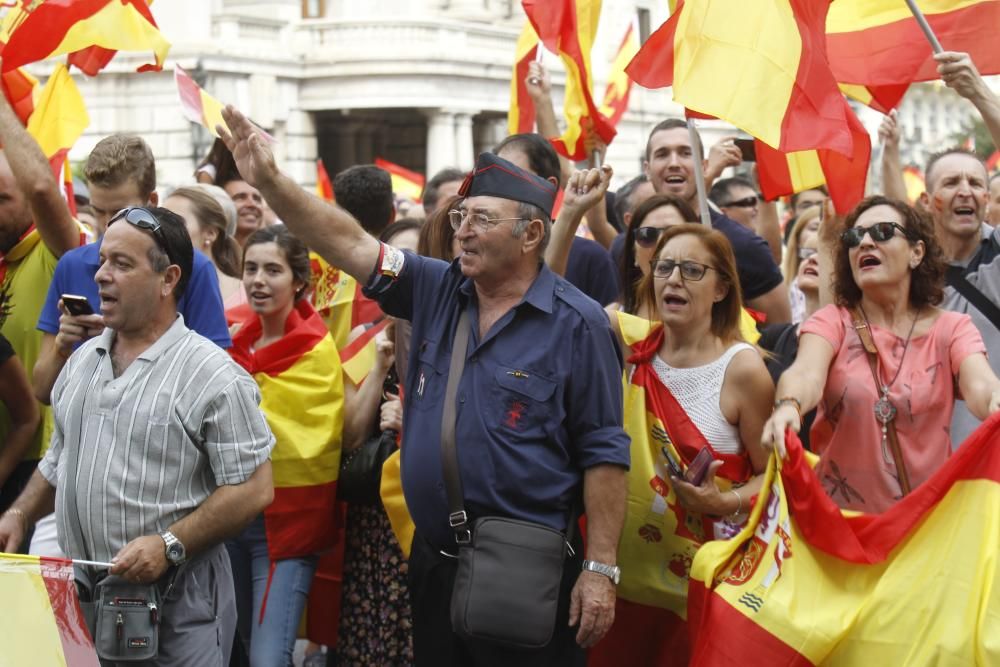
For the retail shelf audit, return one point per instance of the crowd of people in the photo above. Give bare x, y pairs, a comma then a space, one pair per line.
194, 396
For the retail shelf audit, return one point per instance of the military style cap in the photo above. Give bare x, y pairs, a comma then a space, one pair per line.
495, 177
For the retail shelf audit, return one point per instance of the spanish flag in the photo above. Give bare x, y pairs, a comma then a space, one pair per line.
43, 626
845, 176
198, 106
521, 116
302, 397
879, 43
60, 117
807, 584
57, 27
20, 89
619, 84
358, 357
324, 187
568, 27
913, 179
405, 183
881, 98
760, 66
338, 299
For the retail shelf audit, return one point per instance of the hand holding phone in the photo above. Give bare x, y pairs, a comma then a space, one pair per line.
698, 469
747, 149
77, 305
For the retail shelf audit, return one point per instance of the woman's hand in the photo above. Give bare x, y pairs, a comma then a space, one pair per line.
391, 415
784, 417
385, 352
704, 499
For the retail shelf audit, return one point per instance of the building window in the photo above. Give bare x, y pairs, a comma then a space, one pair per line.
313, 9
643, 16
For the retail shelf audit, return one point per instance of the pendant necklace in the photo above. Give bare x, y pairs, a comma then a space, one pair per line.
884, 409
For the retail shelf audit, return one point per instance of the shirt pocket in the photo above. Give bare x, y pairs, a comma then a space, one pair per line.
428, 378
931, 393
523, 403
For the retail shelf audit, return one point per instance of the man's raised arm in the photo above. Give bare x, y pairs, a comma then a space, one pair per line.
328, 230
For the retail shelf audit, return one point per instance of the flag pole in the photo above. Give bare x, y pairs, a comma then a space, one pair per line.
699, 174
925, 26
92, 563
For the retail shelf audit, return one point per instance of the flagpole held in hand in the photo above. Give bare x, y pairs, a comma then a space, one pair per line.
699, 174
925, 26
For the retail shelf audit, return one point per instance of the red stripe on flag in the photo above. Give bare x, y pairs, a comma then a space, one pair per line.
359, 343
304, 329
299, 523
190, 94
60, 584
525, 105
653, 66
400, 170
642, 635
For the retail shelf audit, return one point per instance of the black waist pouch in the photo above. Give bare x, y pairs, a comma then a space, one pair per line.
123, 618
507, 584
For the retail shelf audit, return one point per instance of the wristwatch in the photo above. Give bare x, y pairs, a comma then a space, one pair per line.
612, 572
175, 548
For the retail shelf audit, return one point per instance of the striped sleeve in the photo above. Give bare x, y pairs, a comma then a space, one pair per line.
237, 438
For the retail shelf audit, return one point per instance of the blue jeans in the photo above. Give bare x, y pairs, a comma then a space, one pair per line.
269, 641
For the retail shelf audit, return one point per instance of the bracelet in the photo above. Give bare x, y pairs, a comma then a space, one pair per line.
739, 506
19, 512
789, 399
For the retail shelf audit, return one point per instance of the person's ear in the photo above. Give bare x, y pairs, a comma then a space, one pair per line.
171, 277
917, 252
533, 236
721, 291
154, 199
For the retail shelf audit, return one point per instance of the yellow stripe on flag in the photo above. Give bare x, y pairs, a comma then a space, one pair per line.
855, 15
211, 110
391, 492
805, 170
60, 115
115, 26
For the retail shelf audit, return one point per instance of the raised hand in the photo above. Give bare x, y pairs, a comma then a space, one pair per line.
538, 82
960, 74
585, 189
250, 149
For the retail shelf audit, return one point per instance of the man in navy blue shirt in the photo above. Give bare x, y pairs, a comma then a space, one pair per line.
539, 404
121, 172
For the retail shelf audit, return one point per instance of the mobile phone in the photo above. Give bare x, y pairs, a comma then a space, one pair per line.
77, 305
672, 463
747, 149
699, 467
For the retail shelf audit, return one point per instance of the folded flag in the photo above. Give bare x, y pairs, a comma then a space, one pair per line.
56, 27
44, 626
616, 95
521, 116
807, 584
568, 27
405, 183
198, 106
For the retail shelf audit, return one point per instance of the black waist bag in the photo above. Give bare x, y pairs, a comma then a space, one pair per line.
123, 619
507, 584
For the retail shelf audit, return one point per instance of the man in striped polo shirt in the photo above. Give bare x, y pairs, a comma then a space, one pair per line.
160, 451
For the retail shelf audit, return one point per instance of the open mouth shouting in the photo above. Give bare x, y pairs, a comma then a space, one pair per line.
868, 262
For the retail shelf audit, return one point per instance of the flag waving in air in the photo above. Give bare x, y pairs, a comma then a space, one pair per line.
60, 117
619, 85
568, 27
58, 27
405, 182
197, 105
805, 584
521, 116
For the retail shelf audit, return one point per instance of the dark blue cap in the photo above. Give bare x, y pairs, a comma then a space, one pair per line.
495, 177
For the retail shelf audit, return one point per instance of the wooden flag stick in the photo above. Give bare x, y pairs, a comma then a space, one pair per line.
925, 26
699, 175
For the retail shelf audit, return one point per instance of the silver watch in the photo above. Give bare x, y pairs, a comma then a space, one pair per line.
176, 553
612, 572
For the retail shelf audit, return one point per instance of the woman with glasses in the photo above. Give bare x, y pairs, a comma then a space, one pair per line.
696, 401
805, 226
883, 363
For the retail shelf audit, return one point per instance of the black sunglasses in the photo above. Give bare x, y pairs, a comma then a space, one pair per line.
143, 219
647, 237
746, 202
880, 233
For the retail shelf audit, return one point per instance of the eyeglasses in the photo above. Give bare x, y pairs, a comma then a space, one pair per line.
746, 202
664, 268
647, 237
141, 217
880, 233
478, 221
806, 253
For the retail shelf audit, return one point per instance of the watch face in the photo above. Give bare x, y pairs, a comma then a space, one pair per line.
175, 552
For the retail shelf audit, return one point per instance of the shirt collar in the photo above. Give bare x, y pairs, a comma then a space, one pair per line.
539, 294
169, 337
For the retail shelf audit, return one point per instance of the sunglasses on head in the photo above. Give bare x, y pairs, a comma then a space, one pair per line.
646, 237
746, 202
880, 233
142, 218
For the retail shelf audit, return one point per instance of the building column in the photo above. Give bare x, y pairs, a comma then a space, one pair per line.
440, 141
465, 149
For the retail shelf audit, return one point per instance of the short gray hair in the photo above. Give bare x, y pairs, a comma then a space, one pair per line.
528, 212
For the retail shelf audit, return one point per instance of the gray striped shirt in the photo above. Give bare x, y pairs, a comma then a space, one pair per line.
182, 420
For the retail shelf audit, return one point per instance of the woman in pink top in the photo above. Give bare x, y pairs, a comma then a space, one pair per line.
888, 276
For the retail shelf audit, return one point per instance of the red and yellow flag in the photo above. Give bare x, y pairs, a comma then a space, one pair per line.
324, 187
760, 66
521, 116
993, 161
808, 584
619, 84
568, 27
57, 27
198, 106
338, 299
845, 176
881, 98
60, 117
44, 625
879, 43
302, 397
358, 357
20, 89
913, 179
405, 182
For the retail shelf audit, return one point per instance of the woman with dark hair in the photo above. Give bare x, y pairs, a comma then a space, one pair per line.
649, 219
286, 347
437, 237
883, 363
207, 226
695, 403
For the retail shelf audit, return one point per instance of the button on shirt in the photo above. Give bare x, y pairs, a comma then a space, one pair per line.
153, 443
539, 401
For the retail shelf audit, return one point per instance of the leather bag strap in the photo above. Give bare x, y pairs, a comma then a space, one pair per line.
457, 517
865, 334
